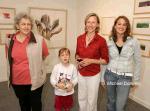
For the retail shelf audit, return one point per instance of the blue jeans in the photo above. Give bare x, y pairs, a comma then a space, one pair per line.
118, 87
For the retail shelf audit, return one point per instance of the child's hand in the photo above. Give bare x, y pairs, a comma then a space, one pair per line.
61, 85
69, 86
62, 80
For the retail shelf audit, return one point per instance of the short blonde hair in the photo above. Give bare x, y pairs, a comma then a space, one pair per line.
98, 21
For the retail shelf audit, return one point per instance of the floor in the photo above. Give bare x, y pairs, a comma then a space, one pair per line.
8, 101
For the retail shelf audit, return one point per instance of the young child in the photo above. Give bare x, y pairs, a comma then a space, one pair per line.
63, 79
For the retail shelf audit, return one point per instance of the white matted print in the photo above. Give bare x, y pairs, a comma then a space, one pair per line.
4, 34
7, 15
6, 26
145, 47
51, 24
3, 64
141, 26
141, 6
106, 25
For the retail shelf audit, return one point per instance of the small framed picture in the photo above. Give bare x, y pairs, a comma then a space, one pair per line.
141, 26
4, 33
6, 26
7, 15
141, 6
145, 47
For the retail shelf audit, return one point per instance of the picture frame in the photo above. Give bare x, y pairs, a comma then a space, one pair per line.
4, 33
141, 26
6, 26
3, 65
141, 6
106, 25
145, 47
57, 40
7, 16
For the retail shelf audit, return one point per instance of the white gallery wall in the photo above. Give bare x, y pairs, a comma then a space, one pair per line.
22, 6
114, 8
76, 12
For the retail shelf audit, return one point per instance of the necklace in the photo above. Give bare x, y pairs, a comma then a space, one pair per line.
88, 39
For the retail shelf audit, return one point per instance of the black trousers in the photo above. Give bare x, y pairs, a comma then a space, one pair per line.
28, 99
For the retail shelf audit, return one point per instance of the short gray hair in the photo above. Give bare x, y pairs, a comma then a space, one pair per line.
21, 15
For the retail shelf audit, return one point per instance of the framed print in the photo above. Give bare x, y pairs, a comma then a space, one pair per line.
145, 47
141, 26
3, 64
51, 24
106, 25
7, 15
4, 33
141, 6
6, 26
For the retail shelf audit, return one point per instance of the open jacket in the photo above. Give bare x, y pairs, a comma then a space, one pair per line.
129, 60
36, 63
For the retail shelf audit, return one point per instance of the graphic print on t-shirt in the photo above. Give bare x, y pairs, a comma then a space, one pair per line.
64, 78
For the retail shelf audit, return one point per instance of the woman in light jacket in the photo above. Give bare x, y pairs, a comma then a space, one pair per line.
124, 65
26, 54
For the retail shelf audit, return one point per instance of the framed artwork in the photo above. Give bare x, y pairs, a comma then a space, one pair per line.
7, 15
3, 64
6, 26
141, 6
141, 26
51, 24
4, 34
106, 25
145, 47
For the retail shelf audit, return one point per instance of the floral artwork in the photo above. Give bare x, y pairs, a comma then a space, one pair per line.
46, 29
51, 24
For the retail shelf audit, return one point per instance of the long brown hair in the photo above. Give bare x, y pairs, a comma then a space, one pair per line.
126, 33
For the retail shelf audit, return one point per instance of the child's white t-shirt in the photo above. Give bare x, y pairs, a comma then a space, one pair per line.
60, 72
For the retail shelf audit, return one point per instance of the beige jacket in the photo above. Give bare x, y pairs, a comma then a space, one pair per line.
36, 62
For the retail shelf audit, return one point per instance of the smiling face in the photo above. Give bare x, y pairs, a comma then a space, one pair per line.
121, 26
24, 26
92, 23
